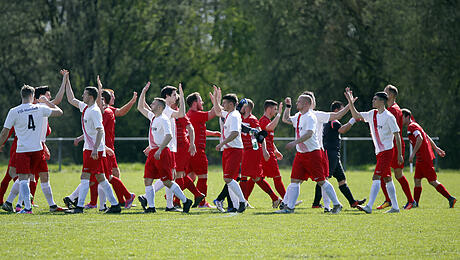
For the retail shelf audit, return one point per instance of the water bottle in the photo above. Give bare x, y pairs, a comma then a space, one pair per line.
255, 145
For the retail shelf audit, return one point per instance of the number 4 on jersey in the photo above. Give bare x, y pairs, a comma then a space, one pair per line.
31, 124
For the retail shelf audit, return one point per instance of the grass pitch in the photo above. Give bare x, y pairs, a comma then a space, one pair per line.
430, 231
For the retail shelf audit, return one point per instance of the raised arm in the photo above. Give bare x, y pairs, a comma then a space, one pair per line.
181, 112
346, 127
99, 95
349, 95
141, 105
338, 115
215, 99
70, 96
287, 111
60, 95
55, 110
125, 109
276, 120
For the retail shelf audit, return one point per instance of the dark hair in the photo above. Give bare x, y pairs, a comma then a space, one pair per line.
92, 91
162, 101
167, 91
27, 91
192, 98
269, 103
41, 90
250, 103
393, 90
406, 112
231, 97
106, 96
382, 95
336, 105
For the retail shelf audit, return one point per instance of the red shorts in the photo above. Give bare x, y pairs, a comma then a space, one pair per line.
270, 168
12, 161
183, 160
251, 164
42, 165
394, 160
425, 170
231, 161
29, 162
325, 163
90, 165
382, 168
308, 165
112, 162
105, 168
159, 169
198, 163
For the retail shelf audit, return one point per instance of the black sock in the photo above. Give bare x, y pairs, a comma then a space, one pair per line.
224, 193
318, 195
347, 193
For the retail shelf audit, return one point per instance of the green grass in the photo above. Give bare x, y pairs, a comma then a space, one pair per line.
431, 231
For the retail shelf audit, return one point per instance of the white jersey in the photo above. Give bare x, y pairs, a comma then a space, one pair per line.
321, 119
27, 120
302, 124
382, 127
159, 127
168, 111
91, 120
232, 123
44, 129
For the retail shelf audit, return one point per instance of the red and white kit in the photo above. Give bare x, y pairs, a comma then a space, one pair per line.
424, 163
251, 165
395, 110
232, 151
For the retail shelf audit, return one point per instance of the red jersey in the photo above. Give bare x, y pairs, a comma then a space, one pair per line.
182, 134
14, 145
108, 121
397, 113
264, 121
252, 122
198, 120
112, 108
425, 153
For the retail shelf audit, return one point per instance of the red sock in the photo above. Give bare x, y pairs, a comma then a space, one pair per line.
33, 187
249, 187
120, 189
243, 185
263, 184
93, 193
180, 182
441, 189
189, 185
405, 186
384, 189
417, 193
279, 186
4, 185
202, 186
176, 201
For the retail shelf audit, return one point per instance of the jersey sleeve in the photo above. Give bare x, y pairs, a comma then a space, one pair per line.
168, 111
45, 111
202, 116
107, 117
293, 118
224, 113
263, 122
150, 115
309, 123
367, 115
234, 124
10, 118
322, 117
393, 125
81, 105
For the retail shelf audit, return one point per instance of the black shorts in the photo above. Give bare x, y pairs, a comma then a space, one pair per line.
335, 166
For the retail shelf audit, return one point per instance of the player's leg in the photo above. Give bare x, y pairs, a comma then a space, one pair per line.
47, 191
405, 187
149, 194
387, 202
114, 205
339, 174
231, 160
417, 190
4, 184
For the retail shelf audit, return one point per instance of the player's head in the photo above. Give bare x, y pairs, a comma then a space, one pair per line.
27, 93
313, 99
42, 91
175, 105
169, 93
89, 95
391, 91
379, 100
194, 101
407, 116
112, 96
336, 106
106, 97
304, 103
158, 105
270, 108
229, 102
247, 107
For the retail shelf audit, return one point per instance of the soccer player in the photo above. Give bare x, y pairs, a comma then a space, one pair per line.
231, 143
160, 160
10, 172
308, 154
27, 120
199, 162
393, 107
93, 148
383, 129
331, 139
253, 155
423, 145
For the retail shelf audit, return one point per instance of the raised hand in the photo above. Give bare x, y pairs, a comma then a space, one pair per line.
134, 96
287, 101
147, 86
99, 83
280, 107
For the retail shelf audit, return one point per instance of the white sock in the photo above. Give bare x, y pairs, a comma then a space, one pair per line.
75, 193
234, 198
14, 192
102, 199
83, 191
178, 192
46, 188
169, 197
326, 199
392, 194
294, 191
233, 185
25, 191
150, 196
327, 186
158, 185
108, 192
375, 188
